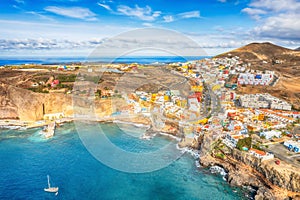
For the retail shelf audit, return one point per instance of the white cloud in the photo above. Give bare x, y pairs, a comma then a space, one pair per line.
277, 19
20, 1
147, 24
184, 15
191, 14
168, 18
42, 43
41, 16
222, 1
276, 5
145, 14
254, 11
73, 12
283, 26
18, 29
107, 7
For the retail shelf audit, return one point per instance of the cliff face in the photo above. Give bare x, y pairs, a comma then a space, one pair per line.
273, 181
17, 103
8, 109
283, 176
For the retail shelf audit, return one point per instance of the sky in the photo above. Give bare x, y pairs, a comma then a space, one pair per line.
76, 27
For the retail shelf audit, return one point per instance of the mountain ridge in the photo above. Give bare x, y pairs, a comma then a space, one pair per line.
263, 51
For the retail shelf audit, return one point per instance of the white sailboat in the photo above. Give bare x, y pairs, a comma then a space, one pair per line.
51, 189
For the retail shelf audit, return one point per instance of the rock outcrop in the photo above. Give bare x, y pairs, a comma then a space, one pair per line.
273, 182
17, 103
283, 176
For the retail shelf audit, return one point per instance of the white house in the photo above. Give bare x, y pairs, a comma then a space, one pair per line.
53, 116
261, 154
270, 134
292, 145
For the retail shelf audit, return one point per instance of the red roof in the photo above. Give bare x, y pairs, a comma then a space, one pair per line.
231, 114
198, 94
55, 82
259, 152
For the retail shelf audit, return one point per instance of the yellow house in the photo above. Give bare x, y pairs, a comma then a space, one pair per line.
261, 117
221, 67
166, 98
203, 121
197, 88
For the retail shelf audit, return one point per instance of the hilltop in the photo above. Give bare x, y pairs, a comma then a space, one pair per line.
266, 51
267, 56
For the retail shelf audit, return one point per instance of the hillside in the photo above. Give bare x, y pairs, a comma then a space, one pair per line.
264, 51
266, 56
298, 49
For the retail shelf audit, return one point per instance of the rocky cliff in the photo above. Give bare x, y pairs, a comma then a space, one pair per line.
285, 176
272, 181
17, 103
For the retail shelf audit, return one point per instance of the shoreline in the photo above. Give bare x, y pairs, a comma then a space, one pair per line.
246, 176
243, 176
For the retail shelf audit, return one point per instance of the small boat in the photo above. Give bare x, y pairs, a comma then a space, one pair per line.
51, 189
49, 130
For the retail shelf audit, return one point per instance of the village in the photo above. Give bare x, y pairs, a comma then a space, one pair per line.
262, 125
253, 123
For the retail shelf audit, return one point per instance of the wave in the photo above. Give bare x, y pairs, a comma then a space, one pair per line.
218, 170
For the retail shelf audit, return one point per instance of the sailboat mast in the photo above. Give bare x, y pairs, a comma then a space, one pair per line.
48, 181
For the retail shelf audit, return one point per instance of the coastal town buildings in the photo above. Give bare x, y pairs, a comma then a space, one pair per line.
292, 145
270, 134
262, 155
263, 101
257, 78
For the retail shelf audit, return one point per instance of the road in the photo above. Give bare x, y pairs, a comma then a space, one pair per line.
283, 154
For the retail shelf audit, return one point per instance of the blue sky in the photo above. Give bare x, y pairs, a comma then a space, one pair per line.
75, 27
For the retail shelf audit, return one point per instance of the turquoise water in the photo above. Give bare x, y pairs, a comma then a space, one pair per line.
26, 159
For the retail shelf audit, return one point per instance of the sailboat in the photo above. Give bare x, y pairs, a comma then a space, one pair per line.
51, 189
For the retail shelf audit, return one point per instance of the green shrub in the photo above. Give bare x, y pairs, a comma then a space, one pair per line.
246, 142
220, 155
66, 78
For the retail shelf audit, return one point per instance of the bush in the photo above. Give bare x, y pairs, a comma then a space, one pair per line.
256, 146
220, 155
60, 86
39, 89
263, 137
246, 142
66, 78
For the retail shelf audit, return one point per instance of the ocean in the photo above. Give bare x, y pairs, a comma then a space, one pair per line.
125, 59
27, 159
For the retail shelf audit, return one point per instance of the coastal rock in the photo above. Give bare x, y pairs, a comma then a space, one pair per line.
239, 177
265, 194
274, 182
8, 109
287, 178
17, 103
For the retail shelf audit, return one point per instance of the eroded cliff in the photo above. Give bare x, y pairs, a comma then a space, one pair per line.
272, 181
17, 103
